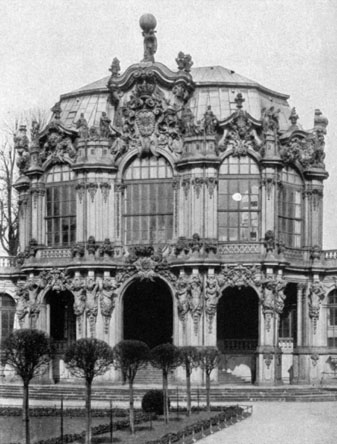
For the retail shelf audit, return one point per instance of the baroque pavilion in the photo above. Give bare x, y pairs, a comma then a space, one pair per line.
176, 206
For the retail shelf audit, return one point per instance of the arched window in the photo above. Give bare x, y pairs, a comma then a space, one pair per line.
290, 208
238, 200
148, 206
332, 319
61, 206
7, 312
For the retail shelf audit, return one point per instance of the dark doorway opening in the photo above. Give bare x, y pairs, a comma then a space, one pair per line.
237, 320
288, 317
148, 312
62, 325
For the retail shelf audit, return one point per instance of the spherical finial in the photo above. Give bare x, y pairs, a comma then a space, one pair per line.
147, 22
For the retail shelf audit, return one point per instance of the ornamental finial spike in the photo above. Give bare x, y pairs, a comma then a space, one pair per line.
148, 23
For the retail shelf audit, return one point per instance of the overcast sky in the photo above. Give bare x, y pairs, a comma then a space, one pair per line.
49, 47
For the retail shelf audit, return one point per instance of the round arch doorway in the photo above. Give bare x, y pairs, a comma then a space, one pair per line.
237, 333
148, 312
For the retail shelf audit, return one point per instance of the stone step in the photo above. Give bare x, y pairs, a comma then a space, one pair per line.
218, 394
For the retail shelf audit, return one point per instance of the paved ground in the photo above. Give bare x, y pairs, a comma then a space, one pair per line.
283, 423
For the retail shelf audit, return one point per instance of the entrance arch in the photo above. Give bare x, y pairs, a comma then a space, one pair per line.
237, 331
62, 327
148, 312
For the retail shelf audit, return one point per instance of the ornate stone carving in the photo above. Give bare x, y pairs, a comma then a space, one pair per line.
91, 245
198, 182
107, 300
293, 117
269, 241
240, 133
209, 122
92, 188
316, 252
211, 183
186, 184
314, 359
145, 268
212, 294
240, 276
104, 126
105, 189
58, 148
268, 359
82, 127
115, 67
148, 23
77, 250
22, 305
184, 62
270, 120
80, 188
195, 301
268, 183
182, 295
77, 287
91, 306
21, 145
316, 296
279, 295
106, 248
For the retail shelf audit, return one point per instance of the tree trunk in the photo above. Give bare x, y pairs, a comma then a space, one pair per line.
165, 393
25, 412
88, 409
132, 412
208, 388
188, 391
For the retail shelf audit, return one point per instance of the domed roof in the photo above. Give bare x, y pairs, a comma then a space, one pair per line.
215, 85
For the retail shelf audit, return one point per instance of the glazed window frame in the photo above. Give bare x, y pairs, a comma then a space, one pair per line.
332, 319
148, 205
290, 209
239, 220
60, 215
7, 315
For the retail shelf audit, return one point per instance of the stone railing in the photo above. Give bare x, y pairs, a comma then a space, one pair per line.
232, 248
286, 343
330, 254
238, 344
51, 253
7, 262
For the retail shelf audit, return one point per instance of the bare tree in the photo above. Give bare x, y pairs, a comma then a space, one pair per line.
9, 173
166, 357
88, 358
208, 358
129, 357
190, 359
28, 352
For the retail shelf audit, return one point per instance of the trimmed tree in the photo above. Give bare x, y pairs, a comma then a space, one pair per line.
87, 358
166, 357
189, 357
129, 357
28, 352
208, 358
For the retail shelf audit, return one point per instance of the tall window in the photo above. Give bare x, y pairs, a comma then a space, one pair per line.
7, 312
238, 200
332, 319
61, 206
290, 208
148, 207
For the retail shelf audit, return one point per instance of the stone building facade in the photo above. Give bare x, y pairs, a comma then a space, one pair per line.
179, 206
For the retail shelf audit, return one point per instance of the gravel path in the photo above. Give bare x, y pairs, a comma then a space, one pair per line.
283, 423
